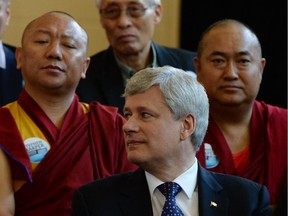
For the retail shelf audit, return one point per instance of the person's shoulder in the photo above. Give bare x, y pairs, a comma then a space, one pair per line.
181, 51
99, 107
175, 57
102, 54
237, 182
99, 64
9, 47
175, 51
105, 115
107, 183
271, 110
9, 50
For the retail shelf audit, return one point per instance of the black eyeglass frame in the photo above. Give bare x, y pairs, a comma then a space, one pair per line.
129, 12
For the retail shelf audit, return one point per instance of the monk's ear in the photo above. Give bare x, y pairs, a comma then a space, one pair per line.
18, 56
196, 64
85, 67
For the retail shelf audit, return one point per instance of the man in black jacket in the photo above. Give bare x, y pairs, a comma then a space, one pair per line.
10, 77
166, 112
129, 27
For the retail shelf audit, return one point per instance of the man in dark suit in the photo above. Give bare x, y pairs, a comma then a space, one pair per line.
167, 116
131, 49
10, 77
11, 81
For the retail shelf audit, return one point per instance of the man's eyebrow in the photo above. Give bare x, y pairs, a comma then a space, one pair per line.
217, 53
244, 53
65, 35
42, 31
241, 53
111, 4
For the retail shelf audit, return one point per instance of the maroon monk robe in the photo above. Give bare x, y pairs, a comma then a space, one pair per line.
87, 147
268, 149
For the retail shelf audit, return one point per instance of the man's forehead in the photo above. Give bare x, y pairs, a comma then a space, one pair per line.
51, 18
54, 22
106, 2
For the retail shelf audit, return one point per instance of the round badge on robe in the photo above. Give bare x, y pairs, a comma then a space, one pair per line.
211, 159
36, 148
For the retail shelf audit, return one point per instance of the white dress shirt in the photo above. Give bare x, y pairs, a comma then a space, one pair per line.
186, 199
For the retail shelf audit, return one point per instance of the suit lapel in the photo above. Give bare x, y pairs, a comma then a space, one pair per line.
211, 200
163, 57
137, 201
135, 197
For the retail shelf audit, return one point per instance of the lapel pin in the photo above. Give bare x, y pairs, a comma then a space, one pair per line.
213, 204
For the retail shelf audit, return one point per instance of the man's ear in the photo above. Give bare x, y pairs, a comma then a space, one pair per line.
196, 64
188, 126
158, 13
8, 14
85, 67
18, 56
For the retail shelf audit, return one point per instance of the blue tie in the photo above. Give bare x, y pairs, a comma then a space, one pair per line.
170, 190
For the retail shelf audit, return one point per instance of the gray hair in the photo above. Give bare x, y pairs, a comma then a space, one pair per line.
98, 2
182, 92
6, 3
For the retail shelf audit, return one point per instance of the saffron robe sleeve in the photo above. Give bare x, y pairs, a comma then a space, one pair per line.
268, 149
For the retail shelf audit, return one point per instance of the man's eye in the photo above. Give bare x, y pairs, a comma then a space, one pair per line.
134, 9
244, 61
217, 61
41, 41
70, 46
146, 115
126, 115
112, 10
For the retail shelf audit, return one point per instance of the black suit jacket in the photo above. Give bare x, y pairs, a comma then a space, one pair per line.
10, 78
128, 195
104, 81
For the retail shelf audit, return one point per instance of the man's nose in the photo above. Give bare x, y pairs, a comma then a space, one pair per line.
54, 51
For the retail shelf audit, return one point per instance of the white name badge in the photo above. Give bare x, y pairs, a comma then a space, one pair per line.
36, 148
211, 159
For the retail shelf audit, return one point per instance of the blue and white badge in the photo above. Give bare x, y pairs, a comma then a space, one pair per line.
211, 159
36, 148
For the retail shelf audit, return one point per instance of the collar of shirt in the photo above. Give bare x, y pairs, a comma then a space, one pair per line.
187, 199
127, 72
2, 56
186, 180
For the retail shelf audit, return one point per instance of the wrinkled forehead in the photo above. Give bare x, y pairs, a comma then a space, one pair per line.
55, 23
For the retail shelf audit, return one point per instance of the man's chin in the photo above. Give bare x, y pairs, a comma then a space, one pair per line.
128, 49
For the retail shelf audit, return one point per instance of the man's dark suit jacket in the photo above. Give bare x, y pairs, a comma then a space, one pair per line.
128, 195
104, 82
10, 78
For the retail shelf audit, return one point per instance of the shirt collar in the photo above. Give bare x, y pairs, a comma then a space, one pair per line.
127, 72
187, 180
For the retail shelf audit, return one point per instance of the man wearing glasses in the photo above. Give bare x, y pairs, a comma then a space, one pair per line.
129, 27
